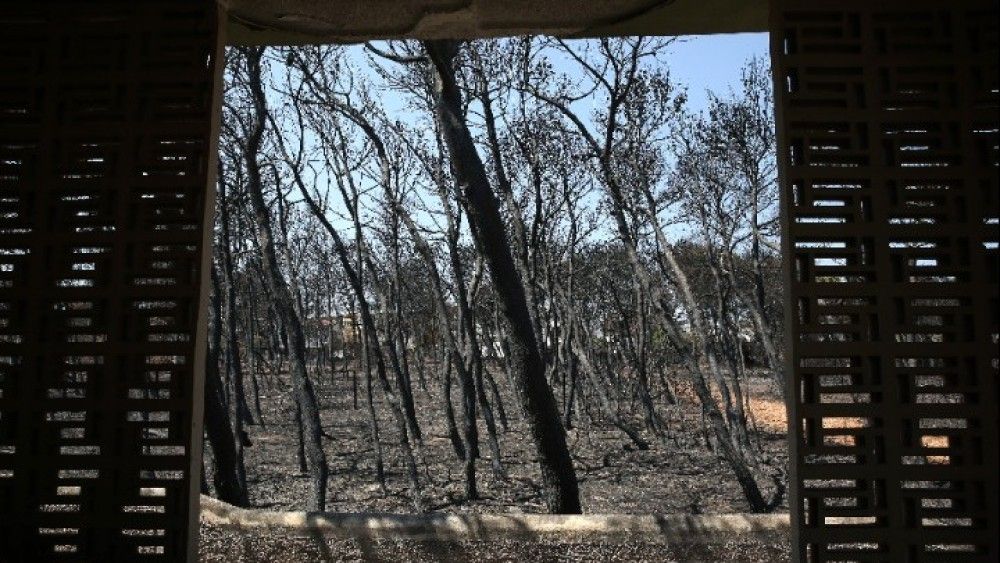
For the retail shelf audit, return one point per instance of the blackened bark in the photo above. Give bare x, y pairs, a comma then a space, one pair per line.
233, 360
254, 363
281, 297
449, 409
373, 348
203, 481
560, 487
597, 384
693, 347
364, 359
301, 434
229, 477
470, 435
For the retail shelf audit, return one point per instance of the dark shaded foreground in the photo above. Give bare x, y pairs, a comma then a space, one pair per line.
226, 546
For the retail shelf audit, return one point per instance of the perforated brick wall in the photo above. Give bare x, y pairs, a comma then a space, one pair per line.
105, 143
888, 116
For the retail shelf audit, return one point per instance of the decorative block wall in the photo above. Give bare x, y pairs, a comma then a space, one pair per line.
106, 139
888, 119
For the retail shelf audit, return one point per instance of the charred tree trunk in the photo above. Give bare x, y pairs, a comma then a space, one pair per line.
301, 435
281, 297
233, 360
229, 476
449, 410
560, 487
364, 359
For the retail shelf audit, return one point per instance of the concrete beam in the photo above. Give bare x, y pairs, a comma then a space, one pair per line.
292, 22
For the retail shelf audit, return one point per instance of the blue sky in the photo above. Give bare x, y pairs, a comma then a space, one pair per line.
712, 62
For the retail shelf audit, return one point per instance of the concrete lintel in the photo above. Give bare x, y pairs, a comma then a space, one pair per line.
298, 22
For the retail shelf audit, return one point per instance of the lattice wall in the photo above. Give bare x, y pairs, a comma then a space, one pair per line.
105, 137
888, 113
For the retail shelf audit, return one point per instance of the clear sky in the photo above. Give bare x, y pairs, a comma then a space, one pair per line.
712, 62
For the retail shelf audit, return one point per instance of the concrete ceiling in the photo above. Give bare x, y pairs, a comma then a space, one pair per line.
287, 22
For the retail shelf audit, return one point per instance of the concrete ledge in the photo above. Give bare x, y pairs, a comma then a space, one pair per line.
463, 527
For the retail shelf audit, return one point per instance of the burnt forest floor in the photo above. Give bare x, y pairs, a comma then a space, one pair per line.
225, 546
677, 474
